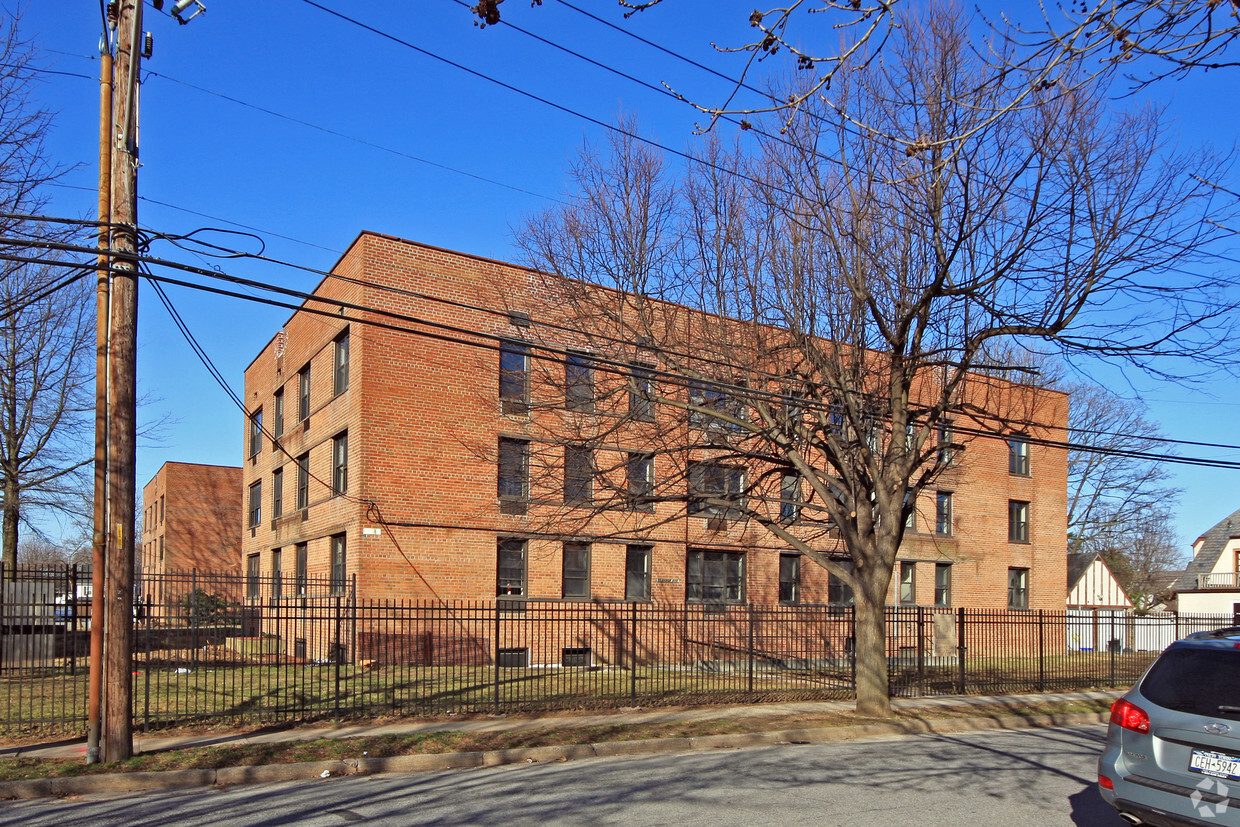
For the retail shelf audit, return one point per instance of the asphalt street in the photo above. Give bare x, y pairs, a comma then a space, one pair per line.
1041, 778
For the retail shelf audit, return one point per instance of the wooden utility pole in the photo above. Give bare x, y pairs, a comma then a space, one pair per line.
122, 399
99, 540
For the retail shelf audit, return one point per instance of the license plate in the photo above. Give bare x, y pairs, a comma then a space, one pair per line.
1218, 764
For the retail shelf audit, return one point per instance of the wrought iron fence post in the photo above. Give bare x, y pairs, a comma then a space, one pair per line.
1111, 649
1041, 652
750, 607
633, 652
921, 650
337, 654
496, 670
960, 649
70, 615
852, 650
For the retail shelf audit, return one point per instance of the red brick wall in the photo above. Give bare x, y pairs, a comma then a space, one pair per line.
196, 510
421, 516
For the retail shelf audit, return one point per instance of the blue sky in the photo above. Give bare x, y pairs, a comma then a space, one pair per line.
435, 153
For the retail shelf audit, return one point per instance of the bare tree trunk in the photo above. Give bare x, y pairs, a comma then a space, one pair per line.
11, 516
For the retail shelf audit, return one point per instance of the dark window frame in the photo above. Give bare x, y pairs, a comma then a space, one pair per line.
641, 392
575, 571
943, 513
255, 504
338, 563
301, 568
303, 393
303, 481
709, 479
340, 363
511, 567
1018, 588
512, 475
252, 574
514, 377
1018, 521
942, 584
789, 578
639, 480
340, 464
277, 493
256, 432
839, 592
715, 576
578, 381
789, 497
1019, 463
907, 583
637, 578
277, 406
277, 574
579, 475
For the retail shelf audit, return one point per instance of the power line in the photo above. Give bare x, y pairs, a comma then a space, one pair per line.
557, 354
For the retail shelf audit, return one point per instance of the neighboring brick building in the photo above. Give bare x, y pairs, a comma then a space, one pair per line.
395, 461
191, 519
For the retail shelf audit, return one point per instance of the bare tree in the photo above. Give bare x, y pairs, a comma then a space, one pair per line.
39, 552
1142, 559
46, 323
1112, 492
827, 311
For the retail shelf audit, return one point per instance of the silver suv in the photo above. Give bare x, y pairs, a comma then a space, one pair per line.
1173, 747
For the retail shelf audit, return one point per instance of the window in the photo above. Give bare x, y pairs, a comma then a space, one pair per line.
277, 493
514, 378
578, 382
1018, 521
942, 584
943, 512
946, 443
789, 578
256, 503
641, 392
256, 432
300, 554
910, 511
340, 364
340, 464
251, 577
1018, 588
510, 569
908, 582
714, 481
1018, 456
790, 498
161, 509
277, 574
578, 475
337, 564
637, 572
303, 394
513, 475
640, 472
277, 414
576, 581
839, 592
303, 481
710, 401
714, 576
161, 551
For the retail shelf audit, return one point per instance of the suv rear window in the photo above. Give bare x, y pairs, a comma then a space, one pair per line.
1196, 680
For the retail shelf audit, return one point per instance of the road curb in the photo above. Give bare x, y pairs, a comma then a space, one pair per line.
269, 773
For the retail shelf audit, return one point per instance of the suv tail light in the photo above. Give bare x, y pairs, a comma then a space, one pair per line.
1130, 716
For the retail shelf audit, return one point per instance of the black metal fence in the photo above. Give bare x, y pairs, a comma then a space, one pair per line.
225, 647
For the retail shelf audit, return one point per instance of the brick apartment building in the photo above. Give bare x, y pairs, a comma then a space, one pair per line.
191, 519
418, 466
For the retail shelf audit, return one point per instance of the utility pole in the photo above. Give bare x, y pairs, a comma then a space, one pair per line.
99, 540
122, 399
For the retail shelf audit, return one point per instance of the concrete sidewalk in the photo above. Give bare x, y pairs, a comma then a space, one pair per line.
623, 717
